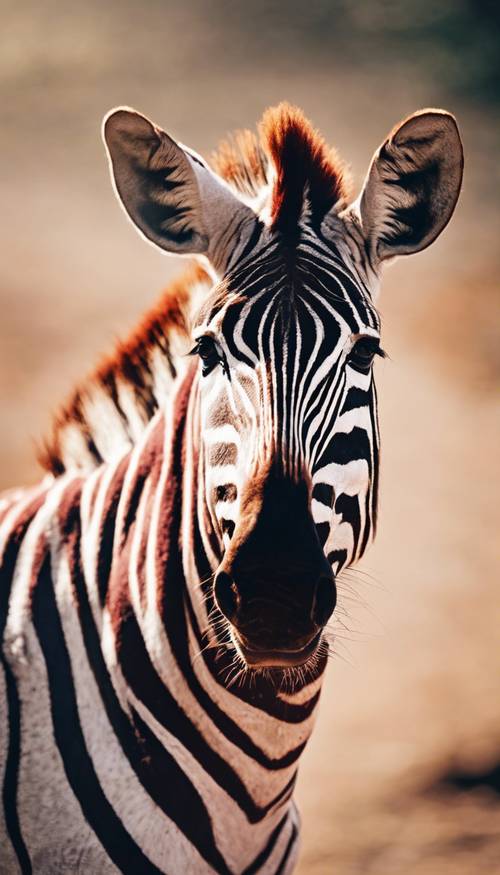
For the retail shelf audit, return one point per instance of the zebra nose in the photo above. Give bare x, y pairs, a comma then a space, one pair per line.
324, 600
226, 594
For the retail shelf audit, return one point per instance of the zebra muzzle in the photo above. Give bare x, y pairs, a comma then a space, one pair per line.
276, 629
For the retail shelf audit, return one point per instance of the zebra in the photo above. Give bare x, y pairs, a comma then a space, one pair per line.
165, 589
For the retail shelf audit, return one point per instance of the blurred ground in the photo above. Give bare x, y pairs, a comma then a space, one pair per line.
412, 696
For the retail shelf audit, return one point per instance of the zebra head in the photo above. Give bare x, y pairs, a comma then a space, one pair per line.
286, 342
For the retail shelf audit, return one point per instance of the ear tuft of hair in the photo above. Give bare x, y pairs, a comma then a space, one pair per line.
306, 170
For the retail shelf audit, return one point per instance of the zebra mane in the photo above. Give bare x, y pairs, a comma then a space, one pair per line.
107, 413
289, 160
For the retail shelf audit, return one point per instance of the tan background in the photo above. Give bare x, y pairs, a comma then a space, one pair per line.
412, 695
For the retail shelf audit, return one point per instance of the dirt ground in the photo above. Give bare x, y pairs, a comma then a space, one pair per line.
402, 774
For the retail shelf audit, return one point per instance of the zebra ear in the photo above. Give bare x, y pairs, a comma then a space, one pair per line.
168, 191
412, 185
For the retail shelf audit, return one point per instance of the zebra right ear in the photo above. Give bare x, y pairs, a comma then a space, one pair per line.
412, 185
169, 193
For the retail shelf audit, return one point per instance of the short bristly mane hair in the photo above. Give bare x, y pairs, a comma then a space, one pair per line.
292, 160
290, 171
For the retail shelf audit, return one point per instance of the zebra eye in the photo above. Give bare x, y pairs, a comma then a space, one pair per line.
208, 353
363, 352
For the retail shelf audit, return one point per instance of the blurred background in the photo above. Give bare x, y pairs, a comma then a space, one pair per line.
403, 771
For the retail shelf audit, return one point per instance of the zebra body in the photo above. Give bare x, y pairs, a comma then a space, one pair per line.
164, 591
114, 705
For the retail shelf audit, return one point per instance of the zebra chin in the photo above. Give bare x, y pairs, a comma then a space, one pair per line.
259, 658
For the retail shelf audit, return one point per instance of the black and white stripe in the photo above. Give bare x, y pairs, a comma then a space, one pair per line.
286, 386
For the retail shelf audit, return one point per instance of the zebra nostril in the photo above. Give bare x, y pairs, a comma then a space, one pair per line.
226, 594
324, 600
228, 527
226, 492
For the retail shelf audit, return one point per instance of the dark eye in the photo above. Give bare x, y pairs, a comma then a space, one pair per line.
208, 353
363, 352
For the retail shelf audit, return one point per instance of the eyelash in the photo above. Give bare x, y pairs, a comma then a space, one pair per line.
206, 349
364, 351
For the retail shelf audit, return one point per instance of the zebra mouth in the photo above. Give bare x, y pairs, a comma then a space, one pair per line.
260, 658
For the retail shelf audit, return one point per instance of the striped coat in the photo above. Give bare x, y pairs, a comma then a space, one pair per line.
153, 765
145, 727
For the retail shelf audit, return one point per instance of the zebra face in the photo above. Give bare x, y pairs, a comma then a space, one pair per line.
286, 343
290, 446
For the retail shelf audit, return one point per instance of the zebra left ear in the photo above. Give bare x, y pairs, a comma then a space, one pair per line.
170, 194
412, 185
